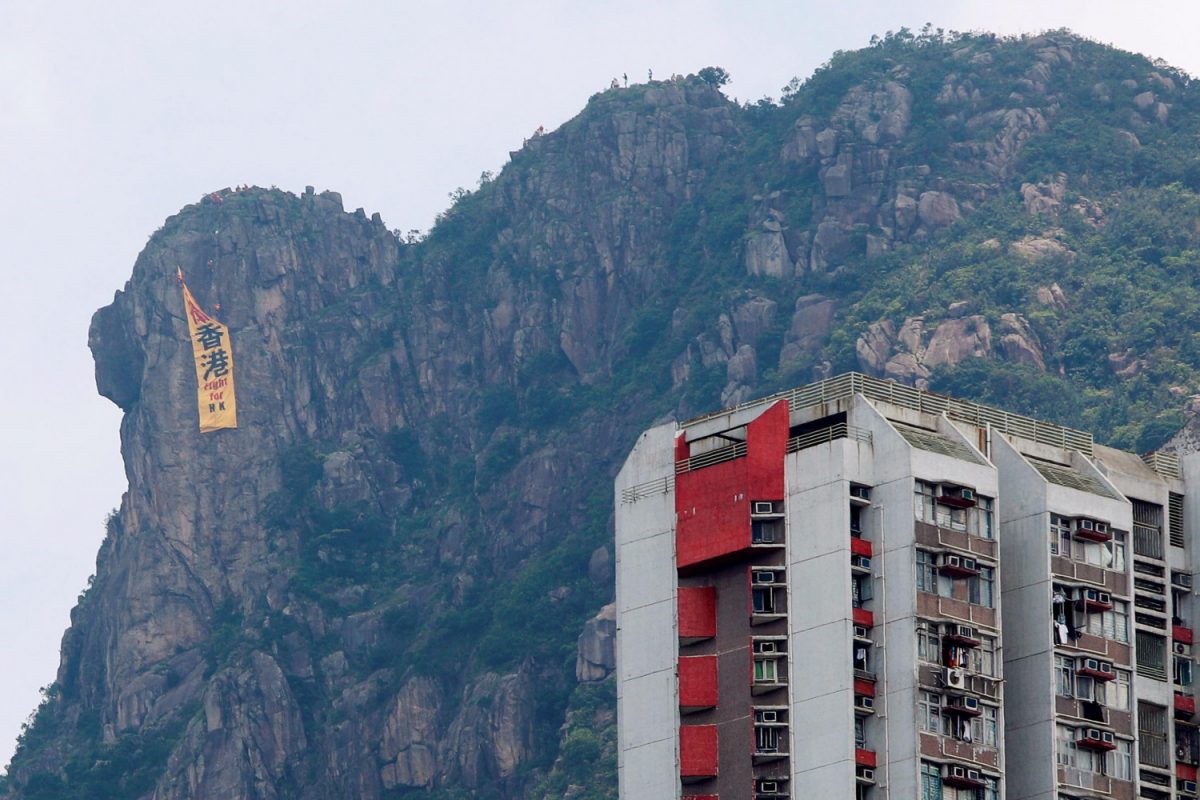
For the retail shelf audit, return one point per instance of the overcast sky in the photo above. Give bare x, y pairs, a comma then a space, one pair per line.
114, 115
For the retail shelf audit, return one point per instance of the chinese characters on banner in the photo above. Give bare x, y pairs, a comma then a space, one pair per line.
214, 366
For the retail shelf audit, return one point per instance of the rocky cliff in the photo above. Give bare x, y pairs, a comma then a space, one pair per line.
392, 578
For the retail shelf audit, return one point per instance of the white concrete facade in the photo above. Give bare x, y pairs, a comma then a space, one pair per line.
892, 452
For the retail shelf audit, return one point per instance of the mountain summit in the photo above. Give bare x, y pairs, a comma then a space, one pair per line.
390, 580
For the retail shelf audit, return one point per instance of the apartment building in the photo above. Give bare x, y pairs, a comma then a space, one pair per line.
860, 590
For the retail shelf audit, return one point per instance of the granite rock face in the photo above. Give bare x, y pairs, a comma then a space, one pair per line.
198, 621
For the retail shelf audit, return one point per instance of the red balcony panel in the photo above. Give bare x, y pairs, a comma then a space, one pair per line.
1181, 633
860, 547
1185, 705
697, 682
712, 504
864, 687
698, 751
1186, 772
697, 613
864, 758
863, 617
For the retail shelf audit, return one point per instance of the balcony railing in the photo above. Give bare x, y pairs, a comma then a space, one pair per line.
822, 435
711, 457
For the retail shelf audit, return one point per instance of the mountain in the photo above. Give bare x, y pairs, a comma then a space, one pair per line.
391, 580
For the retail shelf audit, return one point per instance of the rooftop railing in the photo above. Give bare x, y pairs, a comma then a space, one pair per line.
848, 384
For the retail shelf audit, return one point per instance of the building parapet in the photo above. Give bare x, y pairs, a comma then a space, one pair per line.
848, 384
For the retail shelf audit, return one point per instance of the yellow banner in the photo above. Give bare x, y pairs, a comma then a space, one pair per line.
213, 352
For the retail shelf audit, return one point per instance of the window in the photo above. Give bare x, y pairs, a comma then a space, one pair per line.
1152, 735
1117, 547
929, 648
765, 670
860, 589
1060, 536
1179, 602
1065, 750
862, 657
1151, 655
860, 732
1187, 744
1112, 624
928, 577
926, 572
856, 520
1182, 674
1147, 529
931, 781
764, 599
768, 738
929, 712
766, 531
1064, 669
1117, 691
982, 659
981, 588
983, 727
923, 503
983, 518
1121, 761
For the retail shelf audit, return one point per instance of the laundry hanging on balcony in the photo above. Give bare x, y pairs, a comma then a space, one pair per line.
212, 350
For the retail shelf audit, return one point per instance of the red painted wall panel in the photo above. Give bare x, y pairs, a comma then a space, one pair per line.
863, 617
697, 681
697, 751
1186, 772
697, 612
766, 445
860, 547
865, 688
864, 758
713, 503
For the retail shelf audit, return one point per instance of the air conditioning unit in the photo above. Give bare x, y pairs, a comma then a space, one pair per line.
864, 703
862, 632
768, 787
961, 632
865, 774
767, 716
766, 646
967, 494
1182, 579
954, 771
1095, 739
975, 775
860, 562
860, 492
954, 564
1182, 649
1186, 786
763, 507
1095, 668
1087, 524
968, 705
1096, 597
955, 678
764, 576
